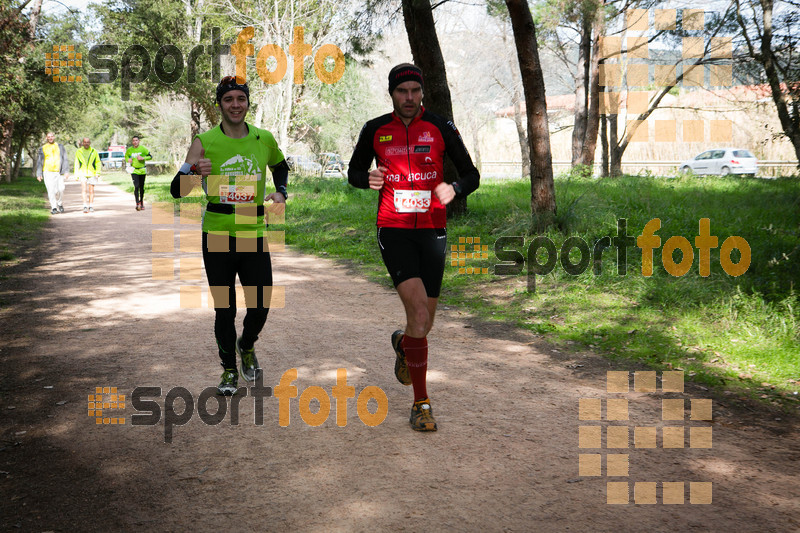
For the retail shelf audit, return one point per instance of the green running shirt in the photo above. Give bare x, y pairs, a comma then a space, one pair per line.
238, 178
138, 166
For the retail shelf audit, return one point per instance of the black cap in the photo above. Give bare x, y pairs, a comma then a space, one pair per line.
231, 83
402, 73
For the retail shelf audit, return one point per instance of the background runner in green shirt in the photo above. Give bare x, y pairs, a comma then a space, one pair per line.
135, 156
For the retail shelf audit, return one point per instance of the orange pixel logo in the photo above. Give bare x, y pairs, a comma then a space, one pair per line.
98, 405
459, 255
618, 438
62, 57
632, 75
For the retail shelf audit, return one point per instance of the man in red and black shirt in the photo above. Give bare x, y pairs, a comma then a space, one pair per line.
409, 146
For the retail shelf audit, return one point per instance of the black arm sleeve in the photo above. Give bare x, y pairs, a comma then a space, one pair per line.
280, 177
468, 176
175, 186
363, 154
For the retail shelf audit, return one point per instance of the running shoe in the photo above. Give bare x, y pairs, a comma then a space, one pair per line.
54, 211
137, 207
250, 369
91, 209
85, 209
141, 205
61, 209
422, 416
230, 379
400, 366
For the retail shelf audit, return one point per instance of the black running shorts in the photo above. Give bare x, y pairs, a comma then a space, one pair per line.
415, 253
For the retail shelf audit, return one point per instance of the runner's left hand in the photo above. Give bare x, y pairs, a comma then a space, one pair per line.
276, 197
445, 193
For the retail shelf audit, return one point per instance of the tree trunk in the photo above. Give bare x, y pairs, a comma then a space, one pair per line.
6, 134
427, 54
543, 200
522, 136
593, 117
194, 123
615, 153
477, 150
36, 10
604, 144
790, 127
582, 91
17, 161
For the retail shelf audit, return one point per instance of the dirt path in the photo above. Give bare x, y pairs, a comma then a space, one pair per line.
85, 312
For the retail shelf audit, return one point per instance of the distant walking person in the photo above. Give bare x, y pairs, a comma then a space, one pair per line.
51, 166
136, 156
409, 147
87, 168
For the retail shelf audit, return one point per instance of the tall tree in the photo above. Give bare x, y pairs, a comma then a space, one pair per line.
299, 28
499, 13
427, 54
142, 28
572, 30
618, 141
772, 39
15, 41
543, 198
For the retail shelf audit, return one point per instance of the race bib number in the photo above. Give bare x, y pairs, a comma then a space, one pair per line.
236, 194
406, 201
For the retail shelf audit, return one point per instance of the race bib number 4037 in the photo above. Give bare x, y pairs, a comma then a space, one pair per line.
406, 201
236, 194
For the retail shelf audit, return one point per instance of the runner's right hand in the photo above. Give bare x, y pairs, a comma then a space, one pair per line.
203, 165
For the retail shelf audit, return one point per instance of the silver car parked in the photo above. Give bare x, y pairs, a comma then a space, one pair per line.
721, 162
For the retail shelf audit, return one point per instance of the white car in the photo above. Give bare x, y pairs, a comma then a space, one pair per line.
722, 161
112, 159
302, 164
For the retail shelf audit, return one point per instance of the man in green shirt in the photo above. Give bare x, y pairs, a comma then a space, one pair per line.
232, 160
135, 156
87, 168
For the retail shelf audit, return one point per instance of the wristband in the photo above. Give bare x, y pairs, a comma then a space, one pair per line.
186, 168
457, 188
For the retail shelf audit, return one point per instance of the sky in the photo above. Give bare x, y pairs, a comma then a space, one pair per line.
57, 6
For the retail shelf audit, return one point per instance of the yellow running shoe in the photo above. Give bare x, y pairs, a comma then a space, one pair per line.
400, 366
422, 416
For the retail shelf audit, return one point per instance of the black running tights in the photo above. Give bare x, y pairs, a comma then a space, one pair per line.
254, 269
138, 187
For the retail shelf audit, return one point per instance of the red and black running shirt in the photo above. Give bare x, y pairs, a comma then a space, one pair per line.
414, 158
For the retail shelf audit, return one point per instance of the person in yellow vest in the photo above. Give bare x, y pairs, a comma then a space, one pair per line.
52, 167
87, 168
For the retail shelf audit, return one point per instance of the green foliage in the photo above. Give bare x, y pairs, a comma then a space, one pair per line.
22, 215
342, 108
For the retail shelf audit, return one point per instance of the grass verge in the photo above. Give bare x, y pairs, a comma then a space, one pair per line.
23, 212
